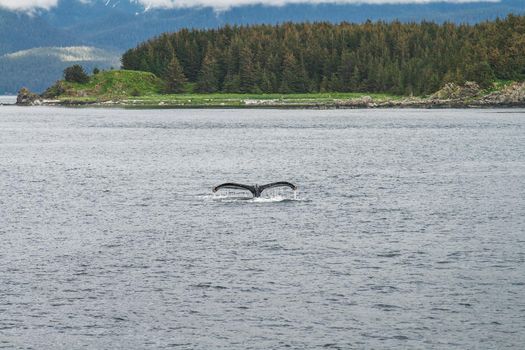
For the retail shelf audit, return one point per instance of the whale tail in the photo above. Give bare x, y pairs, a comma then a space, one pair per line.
278, 184
255, 190
235, 186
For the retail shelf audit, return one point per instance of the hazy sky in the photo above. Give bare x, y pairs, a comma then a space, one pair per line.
217, 4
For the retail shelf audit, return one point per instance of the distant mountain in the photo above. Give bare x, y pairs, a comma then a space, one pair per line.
21, 31
117, 25
38, 68
122, 24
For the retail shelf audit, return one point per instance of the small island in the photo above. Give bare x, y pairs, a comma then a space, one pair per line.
310, 65
144, 90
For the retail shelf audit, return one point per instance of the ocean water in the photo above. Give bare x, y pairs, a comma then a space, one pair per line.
7, 100
407, 231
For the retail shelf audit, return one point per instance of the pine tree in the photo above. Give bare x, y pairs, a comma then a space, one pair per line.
325, 85
247, 72
175, 78
345, 71
355, 80
335, 82
293, 76
76, 74
232, 83
391, 57
208, 80
266, 85
482, 73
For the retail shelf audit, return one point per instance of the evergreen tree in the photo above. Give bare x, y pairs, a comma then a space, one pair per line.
482, 73
293, 76
247, 72
266, 85
208, 80
335, 83
232, 83
355, 79
175, 78
389, 57
76, 74
325, 85
345, 71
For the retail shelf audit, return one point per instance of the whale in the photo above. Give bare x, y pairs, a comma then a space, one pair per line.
256, 190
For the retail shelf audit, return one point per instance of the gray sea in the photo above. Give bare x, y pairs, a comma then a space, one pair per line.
7, 100
407, 231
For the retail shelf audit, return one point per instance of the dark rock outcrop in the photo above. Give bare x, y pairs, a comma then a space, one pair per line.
27, 98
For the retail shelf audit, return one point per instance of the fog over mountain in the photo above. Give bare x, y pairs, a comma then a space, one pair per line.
27, 5
116, 25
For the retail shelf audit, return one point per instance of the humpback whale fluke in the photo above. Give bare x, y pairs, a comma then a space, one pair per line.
255, 190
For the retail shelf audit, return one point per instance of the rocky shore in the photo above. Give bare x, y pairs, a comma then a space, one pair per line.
469, 95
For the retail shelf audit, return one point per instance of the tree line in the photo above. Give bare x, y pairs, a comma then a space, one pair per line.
395, 57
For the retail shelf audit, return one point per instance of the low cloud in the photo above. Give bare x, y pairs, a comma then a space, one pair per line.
29, 5
226, 4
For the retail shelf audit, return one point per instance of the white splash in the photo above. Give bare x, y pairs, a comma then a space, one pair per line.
270, 196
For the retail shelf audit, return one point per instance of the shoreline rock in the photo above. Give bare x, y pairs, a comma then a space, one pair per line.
27, 98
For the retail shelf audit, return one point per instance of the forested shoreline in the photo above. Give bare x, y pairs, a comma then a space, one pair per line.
398, 58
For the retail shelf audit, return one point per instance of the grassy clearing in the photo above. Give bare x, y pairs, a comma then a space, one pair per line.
225, 99
303, 96
109, 84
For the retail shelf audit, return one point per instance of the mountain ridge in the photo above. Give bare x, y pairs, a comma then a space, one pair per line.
125, 25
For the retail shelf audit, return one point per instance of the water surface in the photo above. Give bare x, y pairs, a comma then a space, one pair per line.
408, 230
7, 100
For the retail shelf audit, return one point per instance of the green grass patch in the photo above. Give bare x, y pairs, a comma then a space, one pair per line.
500, 85
303, 97
109, 84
